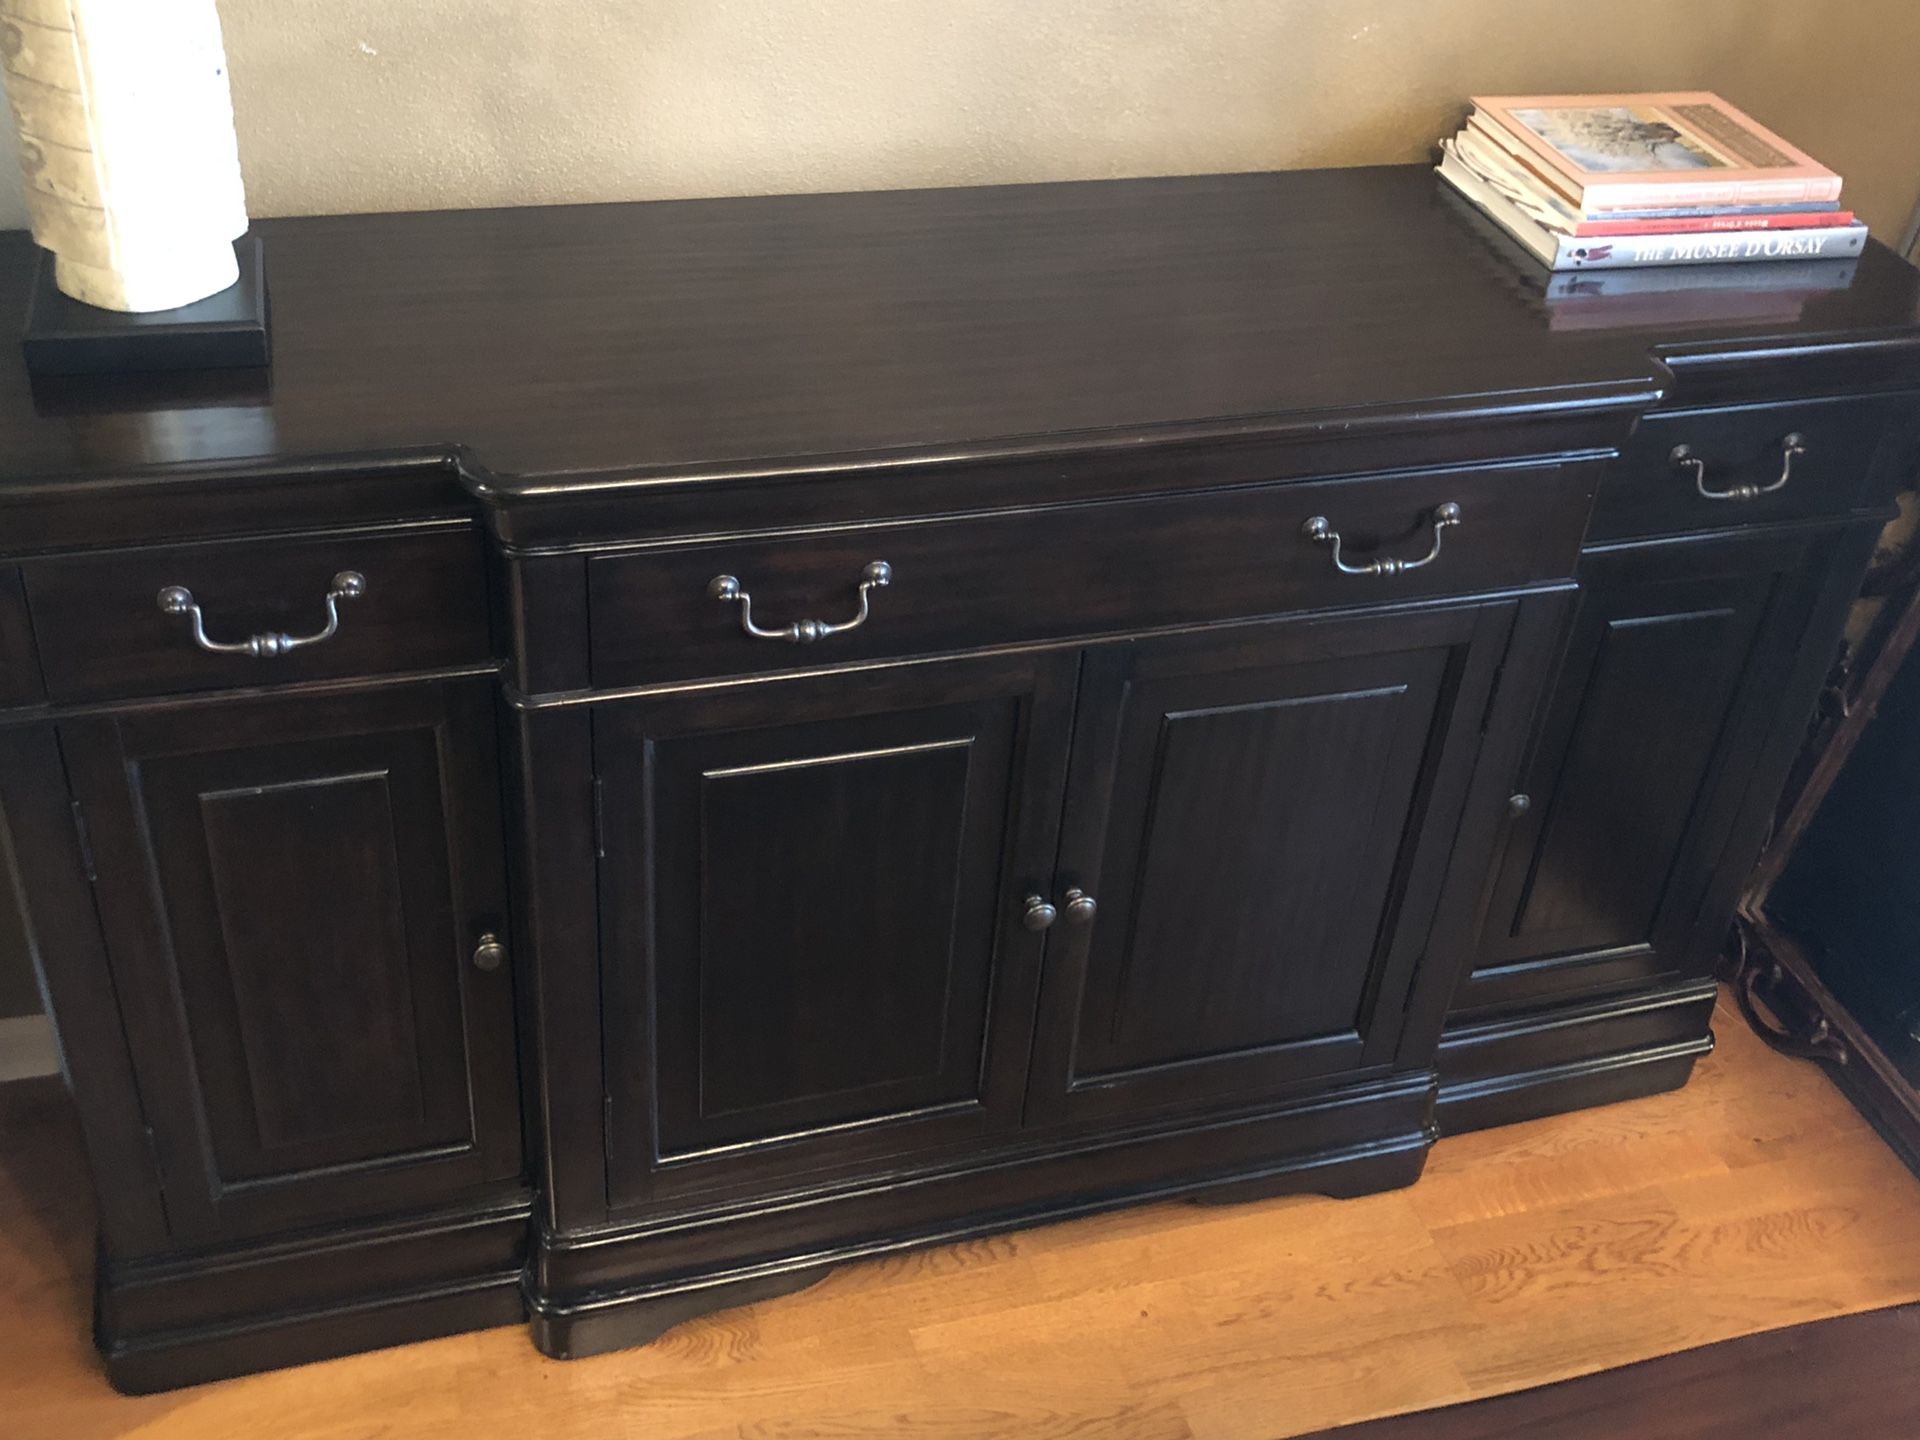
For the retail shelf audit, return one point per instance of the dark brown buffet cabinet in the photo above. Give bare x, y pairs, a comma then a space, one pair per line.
664, 748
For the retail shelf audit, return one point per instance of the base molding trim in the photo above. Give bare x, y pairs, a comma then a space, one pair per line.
570, 1326
1507, 1068
639, 1317
271, 1342
212, 1315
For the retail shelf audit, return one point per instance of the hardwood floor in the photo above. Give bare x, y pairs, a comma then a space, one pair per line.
1753, 1200
1806, 1382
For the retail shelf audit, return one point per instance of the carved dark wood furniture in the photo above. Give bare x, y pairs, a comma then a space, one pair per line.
669, 747
1825, 964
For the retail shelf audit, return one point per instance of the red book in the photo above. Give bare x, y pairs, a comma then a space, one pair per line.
1715, 224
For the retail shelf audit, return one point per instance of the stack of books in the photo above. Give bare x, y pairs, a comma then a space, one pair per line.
1593, 182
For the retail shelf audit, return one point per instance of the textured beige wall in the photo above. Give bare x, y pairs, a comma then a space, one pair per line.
412, 104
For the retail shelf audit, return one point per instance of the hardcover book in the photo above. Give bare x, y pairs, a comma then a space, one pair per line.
1657, 296
1619, 152
1559, 250
1539, 196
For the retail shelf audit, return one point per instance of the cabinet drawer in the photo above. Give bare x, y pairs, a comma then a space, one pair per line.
103, 634
1067, 571
1669, 474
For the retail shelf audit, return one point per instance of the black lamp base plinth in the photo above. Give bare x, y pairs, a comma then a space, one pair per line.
227, 331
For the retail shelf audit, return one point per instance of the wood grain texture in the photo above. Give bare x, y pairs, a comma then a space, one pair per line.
812, 947
1080, 412
689, 340
1754, 1199
1068, 570
1606, 873
1506, 1066
1207, 767
289, 889
1648, 494
674, 337
1806, 1382
103, 636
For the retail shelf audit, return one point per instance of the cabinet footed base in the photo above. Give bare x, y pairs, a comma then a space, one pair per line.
597, 1322
620, 1322
1392, 1170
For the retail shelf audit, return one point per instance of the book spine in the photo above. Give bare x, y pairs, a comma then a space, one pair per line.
1824, 208
1634, 251
1602, 195
1718, 224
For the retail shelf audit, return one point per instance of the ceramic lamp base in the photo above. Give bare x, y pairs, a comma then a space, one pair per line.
224, 331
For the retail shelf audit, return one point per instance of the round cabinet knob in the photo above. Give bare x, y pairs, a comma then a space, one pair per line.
1080, 907
1039, 914
490, 954
1518, 805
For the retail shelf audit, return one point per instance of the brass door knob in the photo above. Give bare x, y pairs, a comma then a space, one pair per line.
489, 954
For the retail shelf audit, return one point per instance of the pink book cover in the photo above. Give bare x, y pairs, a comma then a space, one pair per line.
1658, 150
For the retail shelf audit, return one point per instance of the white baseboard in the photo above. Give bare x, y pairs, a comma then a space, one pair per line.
27, 1048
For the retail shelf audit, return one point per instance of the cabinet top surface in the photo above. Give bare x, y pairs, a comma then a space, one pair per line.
556, 346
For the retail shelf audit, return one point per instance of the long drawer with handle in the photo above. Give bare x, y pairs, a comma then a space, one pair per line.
767, 604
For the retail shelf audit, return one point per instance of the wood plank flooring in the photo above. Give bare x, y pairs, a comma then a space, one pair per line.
1843, 1376
1755, 1199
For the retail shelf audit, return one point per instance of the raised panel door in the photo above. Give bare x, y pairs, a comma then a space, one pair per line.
813, 949
291, 891
1261, 818
1672, 683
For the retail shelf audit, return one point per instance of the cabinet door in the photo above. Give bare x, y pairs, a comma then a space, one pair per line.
1677, 678
292, 891
813, 949
1261, 817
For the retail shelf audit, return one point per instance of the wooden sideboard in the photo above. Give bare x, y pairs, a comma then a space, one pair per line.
669, 747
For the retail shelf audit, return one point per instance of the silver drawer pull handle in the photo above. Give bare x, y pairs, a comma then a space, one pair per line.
178, 600
1321, 532
727, 589
1791, 448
